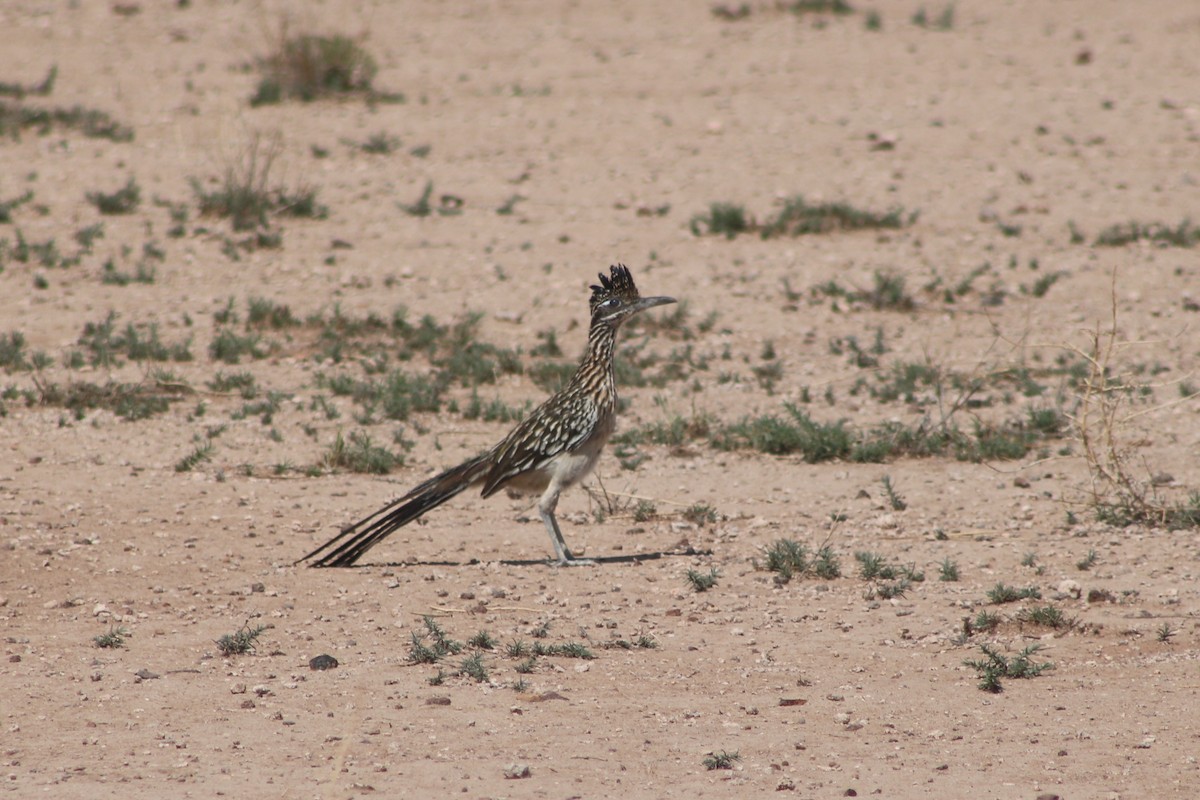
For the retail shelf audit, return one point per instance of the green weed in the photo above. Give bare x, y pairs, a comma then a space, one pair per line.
123, 201
242, 641
114, 638
702, 581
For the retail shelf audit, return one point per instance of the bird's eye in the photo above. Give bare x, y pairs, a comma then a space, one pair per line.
611, 302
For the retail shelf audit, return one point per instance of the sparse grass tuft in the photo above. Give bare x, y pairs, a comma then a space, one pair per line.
123, 201
482, 641
431, 645
721, 760
201, 452
947, 570
1185, 234
473, 667
1003, 593
247, 196
8, 206
995, 666
566, 650
15, 118
1045, 616
800, 7
798, 218
895, 501
114, 638
360, 454
309, 67
243, 641
722, 219
701, 581
788, 558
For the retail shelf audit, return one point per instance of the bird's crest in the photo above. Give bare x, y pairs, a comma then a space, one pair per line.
619, 285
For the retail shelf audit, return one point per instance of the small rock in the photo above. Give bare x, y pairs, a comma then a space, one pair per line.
437, 701
257, 588
323, 662
1021, 482
517, 771
1070, 588
146, 675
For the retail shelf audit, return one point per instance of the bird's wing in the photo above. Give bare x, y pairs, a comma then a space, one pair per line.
560, 425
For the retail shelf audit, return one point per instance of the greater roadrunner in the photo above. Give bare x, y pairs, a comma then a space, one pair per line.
551, 450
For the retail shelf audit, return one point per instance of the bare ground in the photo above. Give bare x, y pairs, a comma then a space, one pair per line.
615, 124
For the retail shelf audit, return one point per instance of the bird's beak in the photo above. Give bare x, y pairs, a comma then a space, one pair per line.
651, 302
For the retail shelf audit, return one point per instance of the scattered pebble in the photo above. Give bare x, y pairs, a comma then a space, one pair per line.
323, 662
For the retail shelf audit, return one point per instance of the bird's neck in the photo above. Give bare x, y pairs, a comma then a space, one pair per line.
602, 338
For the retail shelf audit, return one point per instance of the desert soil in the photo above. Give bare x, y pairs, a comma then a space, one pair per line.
616, 124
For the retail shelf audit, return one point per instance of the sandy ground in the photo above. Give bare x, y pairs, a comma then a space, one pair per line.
615, 123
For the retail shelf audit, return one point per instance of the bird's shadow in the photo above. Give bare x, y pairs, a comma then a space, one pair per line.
535, 562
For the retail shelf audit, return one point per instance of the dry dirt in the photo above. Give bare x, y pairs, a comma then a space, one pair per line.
615, 123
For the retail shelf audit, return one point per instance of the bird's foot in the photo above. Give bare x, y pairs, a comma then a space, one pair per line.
571, 561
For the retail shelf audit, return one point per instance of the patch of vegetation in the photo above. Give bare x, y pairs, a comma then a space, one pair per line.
361, 454
264, 313
17, 117
241, 382
309, 67
1119, 496
944, 21
380, 144
230, 347
123, 201
895, 501
798, 218
114, 638
242, 641
565, 650
1003, 593
473, 667
702, 581
12, 351
432, 644
19, 91
947, 570
1088, 561
7, 207
814, 441
200, 453
700, 514
1185, 234
130, 401
247, 196
721, 760
800, 7
143, 273
722, 219
1046, 617
994, 666
448, 204
788, 558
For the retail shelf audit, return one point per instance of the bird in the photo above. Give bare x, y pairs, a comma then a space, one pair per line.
549, 451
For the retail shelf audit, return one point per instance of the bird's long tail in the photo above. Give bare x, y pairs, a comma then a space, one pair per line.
355, 540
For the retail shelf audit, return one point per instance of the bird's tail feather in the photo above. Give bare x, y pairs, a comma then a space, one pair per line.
355, 540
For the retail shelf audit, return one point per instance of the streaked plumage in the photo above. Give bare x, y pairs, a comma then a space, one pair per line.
550, 450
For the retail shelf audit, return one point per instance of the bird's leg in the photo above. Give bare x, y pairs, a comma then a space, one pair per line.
546, 508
